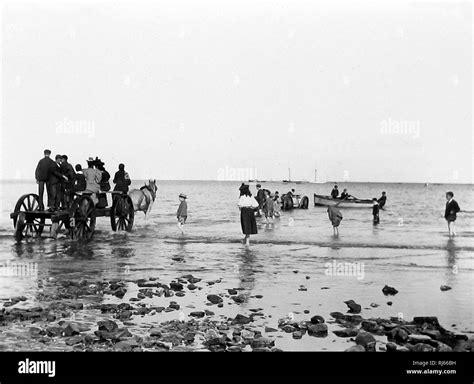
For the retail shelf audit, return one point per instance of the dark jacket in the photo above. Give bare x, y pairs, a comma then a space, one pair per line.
79, 183
48, 170
67, 170
334, 193
261, 197
452, 208
382, 200
43, 169
121, 182
104, 182
182, 210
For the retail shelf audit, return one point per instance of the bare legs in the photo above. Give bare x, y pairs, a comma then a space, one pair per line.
451, 228
335, 231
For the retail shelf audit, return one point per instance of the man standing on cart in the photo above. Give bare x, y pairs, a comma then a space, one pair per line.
47, 174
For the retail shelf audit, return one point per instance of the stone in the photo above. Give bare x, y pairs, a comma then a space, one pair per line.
316, 319
389, 303
441, 347
346, 332
176, 286
261, 350
445, 288
297, 335
197, 314
155, 332
337, 315
192, 287
288, 328
258, 296
370, 326
389, 290
418, 338
174, 305
353, 306
398, 334
269, 329
214, 299
422, 347
74, 340
246, 334
209, 313
70, 329
420, 320
239, 298
53, 331
107, 325
262, 342
318, 330
366, 340
232, 291
241, 319
391, 347
355, 348
374, 305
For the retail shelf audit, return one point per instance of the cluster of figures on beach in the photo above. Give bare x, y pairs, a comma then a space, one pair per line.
266, 203
62, 181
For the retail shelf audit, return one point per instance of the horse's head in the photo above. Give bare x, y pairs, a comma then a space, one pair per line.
151, 186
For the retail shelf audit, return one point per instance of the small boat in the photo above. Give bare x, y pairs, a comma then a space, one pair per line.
352, 202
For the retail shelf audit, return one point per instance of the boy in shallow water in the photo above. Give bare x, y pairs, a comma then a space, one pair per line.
182, 212
268, 207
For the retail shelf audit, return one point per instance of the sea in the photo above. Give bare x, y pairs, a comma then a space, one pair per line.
295, 265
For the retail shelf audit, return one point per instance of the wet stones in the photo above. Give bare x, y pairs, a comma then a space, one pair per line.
241, 319
346, 332
155, 332
270, 329
176, 286
366, 340
262, 342
426, 320
297, 335
387, 290
173, 305
353, 306
70, 329
197, 314
239, 299
232, 291
397, 334
215, 299
355, 348
107, 325
445, 288
318, 330
316, 319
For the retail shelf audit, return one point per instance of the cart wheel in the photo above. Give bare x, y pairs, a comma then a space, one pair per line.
21, 229
82, 220
304, 202
122, 214
29, 202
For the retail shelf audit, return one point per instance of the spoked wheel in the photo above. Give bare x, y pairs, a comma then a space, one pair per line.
122, 214
82, 220
21, 229
34, 225
304, 202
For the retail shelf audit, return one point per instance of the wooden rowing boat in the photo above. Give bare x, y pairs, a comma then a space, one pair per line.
352, 202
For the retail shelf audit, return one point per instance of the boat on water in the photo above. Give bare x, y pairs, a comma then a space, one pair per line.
352, 202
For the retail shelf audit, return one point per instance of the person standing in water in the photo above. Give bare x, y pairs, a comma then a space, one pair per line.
182, 213
268, 208
247, 205
452, 208
335, 217
382, 200
335, 192
375, 210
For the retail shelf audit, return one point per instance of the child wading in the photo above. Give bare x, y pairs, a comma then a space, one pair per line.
182, 212
247, 205
452, 208
268, 207
335, 216
375, 210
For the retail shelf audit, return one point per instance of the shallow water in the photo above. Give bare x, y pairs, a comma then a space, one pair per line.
409, 250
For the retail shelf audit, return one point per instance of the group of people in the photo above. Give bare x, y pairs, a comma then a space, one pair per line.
62, 181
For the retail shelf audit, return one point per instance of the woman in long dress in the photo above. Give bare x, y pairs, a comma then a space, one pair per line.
248, 205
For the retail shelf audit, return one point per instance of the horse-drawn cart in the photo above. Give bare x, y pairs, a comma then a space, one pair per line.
79, 219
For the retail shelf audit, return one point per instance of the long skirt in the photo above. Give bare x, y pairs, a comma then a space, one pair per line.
248, 222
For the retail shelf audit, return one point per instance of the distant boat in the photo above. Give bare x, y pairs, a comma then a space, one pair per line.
316, 181
328, 201
294, 181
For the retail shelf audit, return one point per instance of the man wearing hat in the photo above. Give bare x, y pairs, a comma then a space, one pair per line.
182, 212
47, 173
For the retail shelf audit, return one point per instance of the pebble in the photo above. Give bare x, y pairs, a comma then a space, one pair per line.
355, 348
353, 306
445, 288
214, 299
389, 290
318, 330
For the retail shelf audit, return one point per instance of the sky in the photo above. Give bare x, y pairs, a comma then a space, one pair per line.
200, 89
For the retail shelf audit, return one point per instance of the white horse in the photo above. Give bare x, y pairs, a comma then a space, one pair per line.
144, 197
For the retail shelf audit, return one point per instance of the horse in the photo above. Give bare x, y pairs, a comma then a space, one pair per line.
144, 197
